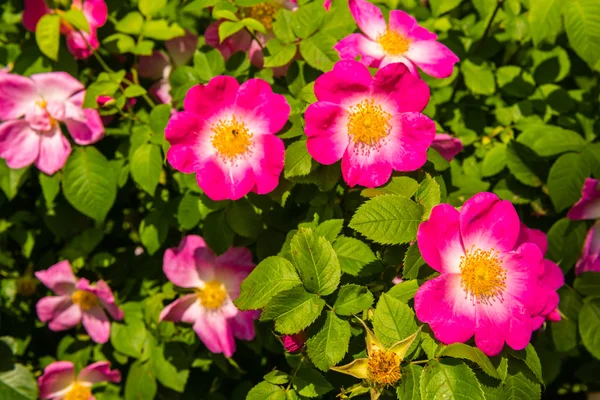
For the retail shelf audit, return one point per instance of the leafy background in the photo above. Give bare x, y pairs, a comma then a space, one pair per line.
523, 100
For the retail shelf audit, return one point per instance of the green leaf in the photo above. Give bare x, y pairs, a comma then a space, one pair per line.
47, 35
266, 391
393, 320
297, 160
519, 160
404, 291
216, 232
128, 338
318, 51
151, 7
316, 262
582, 23
547, 140
17, 383
494, 161
281, 54
439, 7
531, 359
353, 254
307, 18
188, 211
293, 310
449, 379
87, 185
402, 185
161, 30
277, 377
242, 218
588, 284
478, 78
545, 20
141, 383
519, 385
77, 18
387, 219
309, 382
565, 240
413, 261
566, 180
352, 299
209, 64
461, 350
271, 276
439, 162
228, 28
330, 344
282, 26
330, 229
409, 388
253, 25
170, 364
589, 326
50, 188
145, 167
131, 23
514, 81
159, 118
11, 179
153, 231
134, 91
428, 195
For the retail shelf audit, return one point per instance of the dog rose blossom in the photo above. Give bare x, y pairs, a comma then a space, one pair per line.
374, 125
215, 281
77, 301
400, 41
226, 135
59, 381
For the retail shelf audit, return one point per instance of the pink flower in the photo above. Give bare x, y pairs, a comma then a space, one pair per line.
589, 260
374, 125
294, 343
551, 279
227, 136
327, 4
59, 382
402, 41
44, 100
487, 285
216, 283
447, 146
95, 11
77, 301
588, 207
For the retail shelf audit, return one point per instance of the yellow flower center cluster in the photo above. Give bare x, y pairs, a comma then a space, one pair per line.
482, 275
263, 13
84, 299
394, 43
384, 367
78, 392
368, 123
212, 295
231, 138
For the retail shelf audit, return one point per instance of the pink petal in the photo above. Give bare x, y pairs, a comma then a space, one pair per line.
242, 325
268, 168
183, 133
153, 66
223, 181
38, 118
327, 141
186, 309
432, 57
99, 372
439, 239
327, 4
64, 318
409, 92
553, 277
49, 307
78, 41
406, 24
497, 324
347, 79
54, 150
589, 261
59, 278
180, 264
487, 222
161, 91
206, 100
257, 97
407, 150
33, 12
56, 379
56, 86
357, 44
17, 96
447, 146
523, 269
19, 144
535, 236
237, 258
294, 343
96, 12
368, 17
107, 299
214, 331
588, 207
441, 303
182, 48
84, 124
369, 170
96, 324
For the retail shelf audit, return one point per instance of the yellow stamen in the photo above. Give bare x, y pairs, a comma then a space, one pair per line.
482, 275
384, 368
43, 104
368, 123
84, 299
78, 392
231, 138
212, 295
263, 13
394, 43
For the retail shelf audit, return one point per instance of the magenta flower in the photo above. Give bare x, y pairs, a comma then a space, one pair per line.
487, 285
589, 260
216, 283
95, 12
294, 343
59, 382
44, 100
374, 125
588, 207
400, 41
77, 301
447, 146
227, 136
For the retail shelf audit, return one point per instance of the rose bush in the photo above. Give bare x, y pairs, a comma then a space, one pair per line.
288, 199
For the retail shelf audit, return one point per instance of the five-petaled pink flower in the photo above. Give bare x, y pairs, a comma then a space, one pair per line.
95, 11
59, 381
226, 135
45, 100
488, 286
77, 301
447, 146
400, 41
215, 281
374, 125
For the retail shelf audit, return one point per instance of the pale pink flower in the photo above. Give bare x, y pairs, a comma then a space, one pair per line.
226, 135
589, 260
588, 207
447, 146
95, 11
488, 286
215, 281
59, 381
400, 41
374, 125
44, 100
77, 301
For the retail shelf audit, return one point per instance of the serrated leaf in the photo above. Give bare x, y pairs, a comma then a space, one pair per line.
461, 350
77, 18
478, 78
141, 382
565, 180
293, 310
393, 320
404, 291
545, 20
228, 28
589, 326
47, 35
146, 163
413, 261
209, 64
409, 388
280, 54
17, 383
352, 299
518, 161
531, 359
428, 195
277, 377
402, 185
310, 383
353, 254
494, 161
318, 51
548, 140
266, 391
330, 229
582, 24
519, 384
297, 160
449, 379
330, 344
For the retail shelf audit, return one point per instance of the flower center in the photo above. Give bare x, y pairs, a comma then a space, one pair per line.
212, 295
263, 13
368, 123
394, 43
231, 138
78, 392
482, 275
84, 299
43, 104
383, 367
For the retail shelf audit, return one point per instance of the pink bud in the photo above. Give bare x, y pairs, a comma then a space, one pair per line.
294, 343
